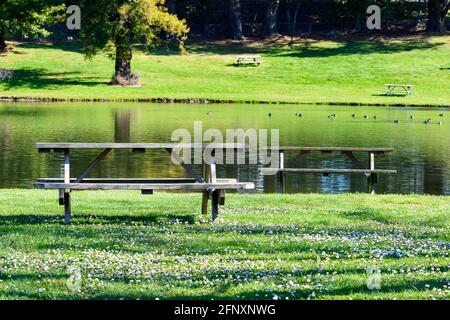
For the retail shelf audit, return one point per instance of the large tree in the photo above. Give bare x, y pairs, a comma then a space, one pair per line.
25, 18
115, 25
236, 20
270, 20
437, 12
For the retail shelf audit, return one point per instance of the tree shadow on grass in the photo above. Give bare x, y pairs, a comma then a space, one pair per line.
221, 291
44, 79
96, 219
67, 46
358, 48
309, 49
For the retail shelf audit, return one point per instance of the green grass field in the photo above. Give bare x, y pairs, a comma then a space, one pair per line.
123, 245
307, 71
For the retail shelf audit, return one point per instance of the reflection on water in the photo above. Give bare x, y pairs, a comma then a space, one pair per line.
422, 155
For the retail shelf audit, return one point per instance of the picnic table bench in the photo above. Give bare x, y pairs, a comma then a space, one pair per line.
370, 172
253, 60
402, 88
211, 187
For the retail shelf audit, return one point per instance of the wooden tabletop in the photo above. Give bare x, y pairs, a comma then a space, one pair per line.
332, 149
76, 145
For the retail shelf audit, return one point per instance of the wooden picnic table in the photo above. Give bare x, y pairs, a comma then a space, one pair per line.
212, 187
370, 171
242, 60
405, 88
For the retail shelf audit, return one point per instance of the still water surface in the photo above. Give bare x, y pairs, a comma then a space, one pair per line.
422, 152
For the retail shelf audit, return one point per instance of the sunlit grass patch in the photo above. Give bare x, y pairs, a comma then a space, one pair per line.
123, 245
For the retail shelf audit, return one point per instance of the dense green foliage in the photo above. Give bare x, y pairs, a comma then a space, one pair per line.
116, 25
123, 245
26, 18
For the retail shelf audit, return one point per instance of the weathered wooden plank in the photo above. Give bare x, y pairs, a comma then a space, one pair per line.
135, 146
331, 149
121, 180
328, 171
146, 186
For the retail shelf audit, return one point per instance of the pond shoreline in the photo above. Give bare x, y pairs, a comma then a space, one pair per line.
215, 101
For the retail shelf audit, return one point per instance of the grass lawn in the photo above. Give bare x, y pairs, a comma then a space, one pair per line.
123, 245
307, 71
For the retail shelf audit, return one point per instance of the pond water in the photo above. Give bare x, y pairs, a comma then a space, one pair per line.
421, 156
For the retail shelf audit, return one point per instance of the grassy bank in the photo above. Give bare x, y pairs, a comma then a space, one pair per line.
306, 71
123, 245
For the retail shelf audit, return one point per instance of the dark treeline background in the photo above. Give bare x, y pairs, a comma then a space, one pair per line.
236, 19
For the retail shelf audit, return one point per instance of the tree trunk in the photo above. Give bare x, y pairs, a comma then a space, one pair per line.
123, 75
236, 20
270, 22
437, 12
291, 17
3, 45
123, 62
171, 7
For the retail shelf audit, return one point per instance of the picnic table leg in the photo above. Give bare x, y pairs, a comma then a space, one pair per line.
215, 193
61, 197
389, 90
282, 174
371, 182
222, 197
215, 204
205, 196
373, 178
67, 208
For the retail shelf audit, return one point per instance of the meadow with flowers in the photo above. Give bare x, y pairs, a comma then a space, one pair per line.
121, 245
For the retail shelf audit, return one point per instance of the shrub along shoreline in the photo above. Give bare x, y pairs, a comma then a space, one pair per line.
215, 101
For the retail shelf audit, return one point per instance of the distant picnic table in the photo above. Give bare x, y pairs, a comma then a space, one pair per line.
401, 88
245, 60
212, 187
369, 171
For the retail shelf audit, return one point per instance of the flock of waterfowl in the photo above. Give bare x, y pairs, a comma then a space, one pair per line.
354, 116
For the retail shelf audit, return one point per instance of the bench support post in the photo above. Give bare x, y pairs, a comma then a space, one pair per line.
282, 174
67, 210
91, 166
215, 204
205, 193
61, 197
373, 178
67, 192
